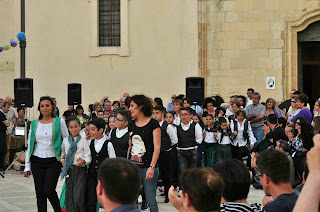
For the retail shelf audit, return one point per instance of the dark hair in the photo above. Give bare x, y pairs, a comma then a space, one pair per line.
159, 108
100, 111
171, 112
237, 104
204, 188
121, 180
222, 120
158, 100
250, 89
186, 109
115, 102
52, 103
142, 100
180, 96
126, 114
220, 109
236, 178
284, 145
316, 122
73, 118
244, 99
297, 93
283, 121
208, 114
188, 101
20, 108
275, 165
218, 102
79, 107
303, 98
272, 118
241, 111
99, 123
90, 108
208, 100
127, 102
306, 132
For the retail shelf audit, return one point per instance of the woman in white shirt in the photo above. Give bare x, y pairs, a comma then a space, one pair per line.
294, 111
43, 154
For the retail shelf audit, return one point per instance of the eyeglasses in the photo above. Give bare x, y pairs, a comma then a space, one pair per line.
185, 114
293, 101
120, 120
173, 97
298, 123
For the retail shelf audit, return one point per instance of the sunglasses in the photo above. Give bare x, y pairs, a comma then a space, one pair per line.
293, 101
173, 97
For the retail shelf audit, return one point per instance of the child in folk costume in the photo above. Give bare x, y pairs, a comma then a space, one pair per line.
224, 137
75, 154
210, 142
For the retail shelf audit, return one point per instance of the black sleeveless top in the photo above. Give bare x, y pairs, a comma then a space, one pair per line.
187, 138
165, 139
120, 145
97, 158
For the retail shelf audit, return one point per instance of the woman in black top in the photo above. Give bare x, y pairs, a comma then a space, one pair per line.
145, 145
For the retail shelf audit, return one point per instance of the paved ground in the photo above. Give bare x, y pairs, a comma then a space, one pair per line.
17, 194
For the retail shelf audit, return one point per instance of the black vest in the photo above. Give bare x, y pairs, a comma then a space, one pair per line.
165, 139
97, 158
245, 129
120, 145
187, 138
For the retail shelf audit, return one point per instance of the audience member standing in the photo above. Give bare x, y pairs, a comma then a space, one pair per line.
284, 106
294, 111
250, 91
3, 128
56, 109
302, 101
255, 114
68, 113
170, 104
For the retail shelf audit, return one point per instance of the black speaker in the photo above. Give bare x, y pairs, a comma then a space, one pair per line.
23, 92
195, 89
74, 94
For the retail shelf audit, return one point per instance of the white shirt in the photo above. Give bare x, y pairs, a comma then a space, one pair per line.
198, 134
171, 132
120, 133
83, 150
249, 102
239, 140
43, 142
209, 137
229, 111
98, 146
224, 140
177, 120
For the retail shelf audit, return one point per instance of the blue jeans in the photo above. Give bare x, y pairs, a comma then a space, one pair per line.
258, 133
149, 187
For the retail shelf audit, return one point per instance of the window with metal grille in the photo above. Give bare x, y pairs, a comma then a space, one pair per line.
109, 23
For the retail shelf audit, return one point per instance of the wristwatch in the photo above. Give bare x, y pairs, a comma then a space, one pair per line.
153, 167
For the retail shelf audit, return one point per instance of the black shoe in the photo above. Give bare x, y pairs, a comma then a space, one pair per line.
144, 205
166, 200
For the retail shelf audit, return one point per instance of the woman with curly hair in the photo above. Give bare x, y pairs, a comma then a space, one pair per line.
145, 141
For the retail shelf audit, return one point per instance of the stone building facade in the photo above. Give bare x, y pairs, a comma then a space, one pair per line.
233, 44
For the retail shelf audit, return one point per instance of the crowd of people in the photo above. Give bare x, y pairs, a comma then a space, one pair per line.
211, 152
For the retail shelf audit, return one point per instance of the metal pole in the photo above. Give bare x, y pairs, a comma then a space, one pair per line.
23, 44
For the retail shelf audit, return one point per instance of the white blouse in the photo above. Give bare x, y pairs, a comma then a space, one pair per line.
239, 140
43, 142
83, 150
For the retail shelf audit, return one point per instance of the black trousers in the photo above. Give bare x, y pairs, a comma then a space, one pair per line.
3, 147
166, 169
91, 196
46, 172
239, 152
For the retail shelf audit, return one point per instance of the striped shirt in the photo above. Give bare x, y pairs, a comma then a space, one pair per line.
240, 207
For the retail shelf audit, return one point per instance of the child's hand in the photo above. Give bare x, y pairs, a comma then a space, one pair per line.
215, 135
63, 161
235, 133
80, 162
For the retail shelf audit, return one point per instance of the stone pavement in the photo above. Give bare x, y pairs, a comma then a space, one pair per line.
17, 194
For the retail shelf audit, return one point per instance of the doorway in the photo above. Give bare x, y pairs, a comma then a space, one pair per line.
309, 62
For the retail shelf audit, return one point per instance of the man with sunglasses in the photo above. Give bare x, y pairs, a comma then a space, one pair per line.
274, 174
170, 105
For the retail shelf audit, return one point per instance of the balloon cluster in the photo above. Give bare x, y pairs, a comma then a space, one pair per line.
13, 43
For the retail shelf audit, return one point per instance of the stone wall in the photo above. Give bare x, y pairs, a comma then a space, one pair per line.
246, 42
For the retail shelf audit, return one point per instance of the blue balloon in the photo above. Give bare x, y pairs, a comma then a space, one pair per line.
1, 48
21, 36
